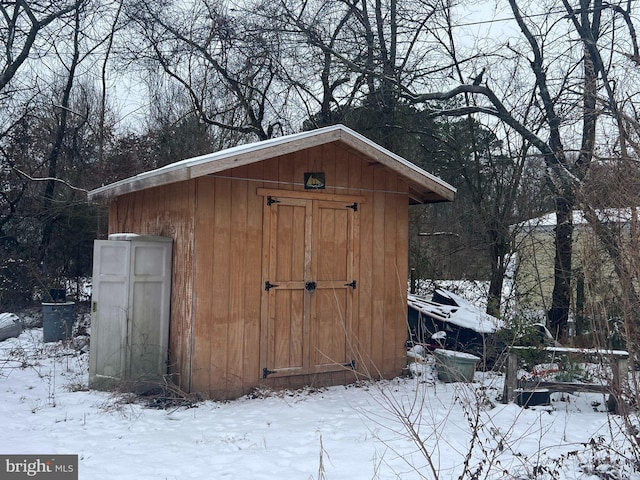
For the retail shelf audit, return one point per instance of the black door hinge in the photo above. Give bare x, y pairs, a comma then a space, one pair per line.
268, 285
351, 365
354, 206
266, 372
271, 201
310, 286
351, 284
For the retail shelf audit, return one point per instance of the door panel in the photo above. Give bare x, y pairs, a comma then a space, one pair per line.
331, 237
109, 317
332, 264
287, 326
290, 220
309, 287
329, 330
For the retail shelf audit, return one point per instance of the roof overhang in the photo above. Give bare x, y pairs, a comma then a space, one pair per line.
423, 186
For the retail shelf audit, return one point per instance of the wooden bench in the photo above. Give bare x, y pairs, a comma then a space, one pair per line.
618, 359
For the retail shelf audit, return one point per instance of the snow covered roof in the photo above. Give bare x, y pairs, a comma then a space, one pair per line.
423, 186
607, 215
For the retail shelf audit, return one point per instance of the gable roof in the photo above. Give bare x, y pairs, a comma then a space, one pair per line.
423, 186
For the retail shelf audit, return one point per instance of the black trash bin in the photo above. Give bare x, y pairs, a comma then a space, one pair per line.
57, 320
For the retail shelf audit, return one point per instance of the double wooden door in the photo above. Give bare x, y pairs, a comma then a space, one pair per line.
310, 283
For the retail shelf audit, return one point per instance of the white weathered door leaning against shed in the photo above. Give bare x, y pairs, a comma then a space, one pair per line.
130, 310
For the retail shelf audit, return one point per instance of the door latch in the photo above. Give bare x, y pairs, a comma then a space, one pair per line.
310, 286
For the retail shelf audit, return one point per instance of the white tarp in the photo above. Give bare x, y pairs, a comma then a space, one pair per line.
463, 314
10, 326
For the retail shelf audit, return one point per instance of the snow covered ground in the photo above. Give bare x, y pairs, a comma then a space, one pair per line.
365, 431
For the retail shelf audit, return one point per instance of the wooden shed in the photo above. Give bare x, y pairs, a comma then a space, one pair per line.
290, 258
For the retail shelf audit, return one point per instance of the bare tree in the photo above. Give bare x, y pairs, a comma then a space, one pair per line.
214, 53
355, 54
48, 131
567, 82
28, 28
310, 33
372, 52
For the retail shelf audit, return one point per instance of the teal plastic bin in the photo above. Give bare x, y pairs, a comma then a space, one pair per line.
455, 366
57, 320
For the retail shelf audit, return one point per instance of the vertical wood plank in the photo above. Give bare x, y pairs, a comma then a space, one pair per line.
314, 159
328, 162
284, 244
378, 268
510, 378
253, 280
298, 262
267, 302
300, 166
309, 269
202, 298
270, 169
326, 327
182, 318
391, 296
286, 171
341, 169
219, 374
237, 254
402, 255
365, 320
270, 312
354, 179
112, 219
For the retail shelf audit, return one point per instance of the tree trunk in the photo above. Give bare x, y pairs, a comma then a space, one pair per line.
60, 132
499, 238
495, 289
561, 297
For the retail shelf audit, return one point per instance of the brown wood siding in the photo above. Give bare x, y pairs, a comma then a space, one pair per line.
402, 281
217, 225
203, 270
167, 211
366, 322
253, 280
390, 236
228, 272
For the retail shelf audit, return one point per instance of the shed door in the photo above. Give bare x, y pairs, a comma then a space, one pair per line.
109, 317
309, 285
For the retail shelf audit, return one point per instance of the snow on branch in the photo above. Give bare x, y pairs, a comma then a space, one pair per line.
49, 179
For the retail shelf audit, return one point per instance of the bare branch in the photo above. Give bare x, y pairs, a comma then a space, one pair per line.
48, 179
12, 64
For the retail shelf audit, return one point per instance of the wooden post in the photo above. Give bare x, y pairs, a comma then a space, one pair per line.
621, 374
619, 384
510, 377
